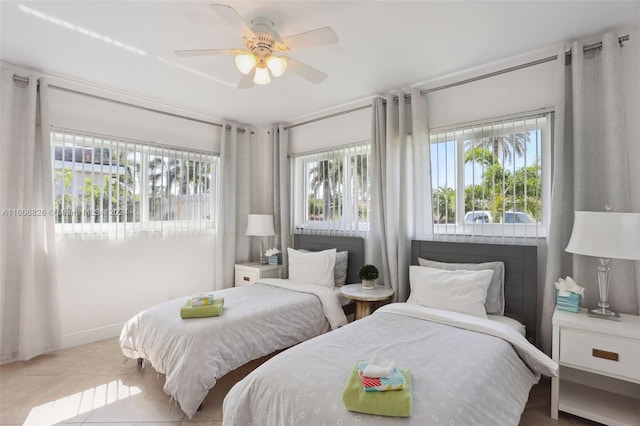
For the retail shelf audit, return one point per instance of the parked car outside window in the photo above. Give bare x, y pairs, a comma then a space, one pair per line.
485, 216
517, 217
478, 216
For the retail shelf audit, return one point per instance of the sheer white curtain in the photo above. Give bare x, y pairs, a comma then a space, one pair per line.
591, 170
234, 203
29, 309
281, 190
401, 186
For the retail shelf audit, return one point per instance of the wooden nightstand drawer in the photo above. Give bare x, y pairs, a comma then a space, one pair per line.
611, 355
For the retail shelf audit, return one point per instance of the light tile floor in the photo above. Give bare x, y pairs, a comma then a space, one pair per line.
91, 385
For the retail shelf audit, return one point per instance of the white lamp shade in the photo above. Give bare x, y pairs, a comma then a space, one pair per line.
260, 225
606, 234
276, 65
262, 76
245, 62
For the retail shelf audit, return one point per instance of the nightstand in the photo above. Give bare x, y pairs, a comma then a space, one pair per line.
248, 273
366, 299
599, 374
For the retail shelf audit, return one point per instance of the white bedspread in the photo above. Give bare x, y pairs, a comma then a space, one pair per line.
537, 360
331, 306
257, 320
460, 376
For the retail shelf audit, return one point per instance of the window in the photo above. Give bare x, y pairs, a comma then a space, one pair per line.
107, 187
332, 191
489, 178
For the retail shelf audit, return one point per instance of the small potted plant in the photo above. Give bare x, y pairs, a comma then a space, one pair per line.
368, 274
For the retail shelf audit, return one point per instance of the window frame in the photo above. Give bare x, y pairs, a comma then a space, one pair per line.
144, 225
301, 184
498, 230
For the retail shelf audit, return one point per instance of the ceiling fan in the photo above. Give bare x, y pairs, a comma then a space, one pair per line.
259, 60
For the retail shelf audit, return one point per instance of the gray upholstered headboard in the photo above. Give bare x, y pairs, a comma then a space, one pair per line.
520, 272
354, 245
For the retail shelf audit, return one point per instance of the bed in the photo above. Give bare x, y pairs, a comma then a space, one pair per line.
256, 320
464, 369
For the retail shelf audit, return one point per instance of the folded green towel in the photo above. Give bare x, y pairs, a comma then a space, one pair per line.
395, 403
188, 311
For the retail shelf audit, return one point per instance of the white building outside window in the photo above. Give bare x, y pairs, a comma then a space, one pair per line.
112, 188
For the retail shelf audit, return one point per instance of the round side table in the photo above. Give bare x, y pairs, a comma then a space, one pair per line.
366, 299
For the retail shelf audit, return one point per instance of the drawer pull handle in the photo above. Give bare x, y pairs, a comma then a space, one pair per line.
249, 279
599, 353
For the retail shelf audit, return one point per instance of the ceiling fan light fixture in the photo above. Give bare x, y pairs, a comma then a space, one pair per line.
276, 65
257, 61
262, 76
245, 62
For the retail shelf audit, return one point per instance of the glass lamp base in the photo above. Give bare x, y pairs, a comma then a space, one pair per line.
604, 313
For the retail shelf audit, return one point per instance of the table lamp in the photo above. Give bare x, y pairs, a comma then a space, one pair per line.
261, 225
605, 235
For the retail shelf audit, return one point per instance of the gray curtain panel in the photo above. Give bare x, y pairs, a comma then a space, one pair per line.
234, 204
29, 304
400, 186
281, 192
591, 170
244, 205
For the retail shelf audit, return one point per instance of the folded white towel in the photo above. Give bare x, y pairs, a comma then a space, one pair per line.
201, 300
379, 367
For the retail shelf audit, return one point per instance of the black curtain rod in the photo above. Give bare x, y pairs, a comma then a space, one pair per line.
197, 120
328, 116
587, 48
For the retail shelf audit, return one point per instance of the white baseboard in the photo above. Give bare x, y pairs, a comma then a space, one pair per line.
90, 336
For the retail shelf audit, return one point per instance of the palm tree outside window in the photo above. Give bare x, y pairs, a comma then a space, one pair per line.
333, 191
489, 178
107, 187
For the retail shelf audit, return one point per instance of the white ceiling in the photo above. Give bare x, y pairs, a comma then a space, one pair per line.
383, 45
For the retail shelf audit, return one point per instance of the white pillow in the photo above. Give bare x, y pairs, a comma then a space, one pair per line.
458, 291
495, 295
340, 270
312, 267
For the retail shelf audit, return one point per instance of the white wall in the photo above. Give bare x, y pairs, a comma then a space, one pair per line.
86, 113
518, 91
339, 130
104, 283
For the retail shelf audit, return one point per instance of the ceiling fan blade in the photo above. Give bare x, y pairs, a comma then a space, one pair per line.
312, 38
305, 71
208, 52
234, 20
246, 82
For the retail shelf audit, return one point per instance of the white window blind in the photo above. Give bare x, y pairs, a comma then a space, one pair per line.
112, 188
490, 179
332, 191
